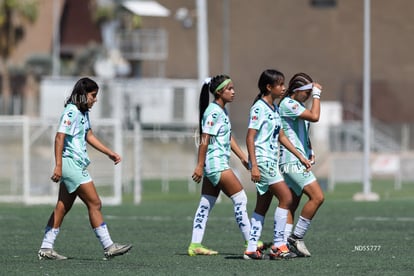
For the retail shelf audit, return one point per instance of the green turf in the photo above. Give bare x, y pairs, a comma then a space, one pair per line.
346, 237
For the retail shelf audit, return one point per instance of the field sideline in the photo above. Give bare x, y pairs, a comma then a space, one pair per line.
346, 238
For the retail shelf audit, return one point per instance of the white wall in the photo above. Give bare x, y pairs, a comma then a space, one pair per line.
331, 115
119, 98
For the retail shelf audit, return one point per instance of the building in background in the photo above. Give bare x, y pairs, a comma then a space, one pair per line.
323, 38
146, 65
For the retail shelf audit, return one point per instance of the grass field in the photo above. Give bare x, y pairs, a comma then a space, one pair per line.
346, 238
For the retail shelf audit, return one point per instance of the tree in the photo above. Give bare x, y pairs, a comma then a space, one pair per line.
14, 17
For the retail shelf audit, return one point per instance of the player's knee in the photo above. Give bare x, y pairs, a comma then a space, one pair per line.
318, 199
285, 201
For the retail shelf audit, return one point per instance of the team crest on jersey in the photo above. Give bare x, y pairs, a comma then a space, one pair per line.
295, 106
210, 123
67, 122
255, 117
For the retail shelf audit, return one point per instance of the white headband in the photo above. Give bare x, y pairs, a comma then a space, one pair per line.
305, 87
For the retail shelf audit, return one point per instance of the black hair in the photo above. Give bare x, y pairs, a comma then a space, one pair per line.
268, 77
298, 80
78, 95
204, 100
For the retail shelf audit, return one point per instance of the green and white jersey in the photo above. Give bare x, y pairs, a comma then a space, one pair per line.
75, 125
295, 128
266, 120
216, 123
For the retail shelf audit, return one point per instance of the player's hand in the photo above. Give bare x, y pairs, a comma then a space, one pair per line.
316, 90
57, 174
114, 157
255, 174
197, 174
312, 160
306, 163
317, 85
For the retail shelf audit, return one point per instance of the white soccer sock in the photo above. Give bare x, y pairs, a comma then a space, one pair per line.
288, 231
49, 237
279, 225
240, 212
257, 223
201, 216
102, 234
302, 227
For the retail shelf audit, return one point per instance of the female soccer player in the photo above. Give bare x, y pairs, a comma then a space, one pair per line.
216, 143
295, 120
71, 161
263, 137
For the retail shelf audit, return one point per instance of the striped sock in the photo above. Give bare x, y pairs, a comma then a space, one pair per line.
279, 226
49, 237
102, 234
201, 216
302, 227
240, 212
257, 222
288, 231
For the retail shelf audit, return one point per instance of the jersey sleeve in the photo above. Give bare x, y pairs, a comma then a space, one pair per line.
68, 121
211, 123
256, 117
291, 108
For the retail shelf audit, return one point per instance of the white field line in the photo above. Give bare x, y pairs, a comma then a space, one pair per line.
385, 218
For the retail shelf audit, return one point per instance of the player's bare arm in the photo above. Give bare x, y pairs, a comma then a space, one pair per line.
98, 145
59, 142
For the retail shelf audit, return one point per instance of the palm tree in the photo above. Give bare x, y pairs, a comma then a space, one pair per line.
14, 16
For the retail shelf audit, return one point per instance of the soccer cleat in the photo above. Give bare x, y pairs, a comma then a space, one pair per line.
49, 254
298, 246
258, 255
117, 249
281, 252
198, 249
